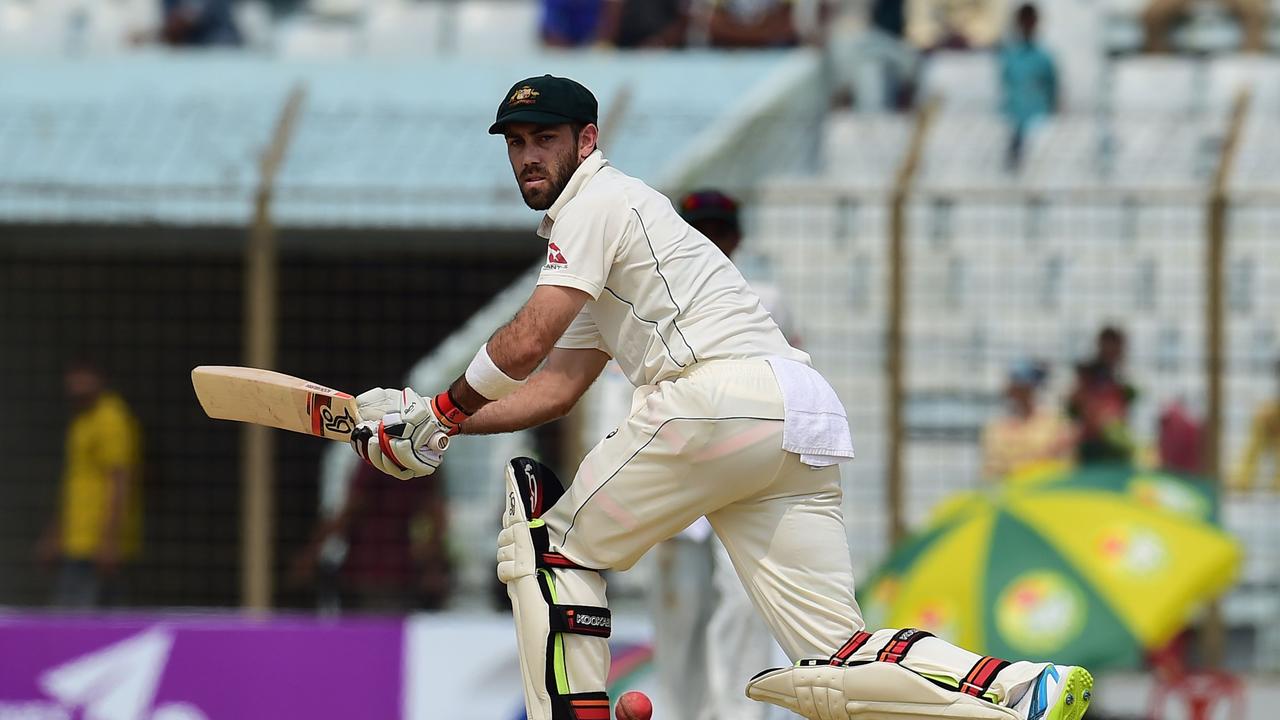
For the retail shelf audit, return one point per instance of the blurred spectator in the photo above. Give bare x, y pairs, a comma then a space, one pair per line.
1028, 433
1028, 82
1160, 16
955, 24
645, 23
1264, 440
874, 66
715, 215
1180, 439
198, 23
707, 634
751, 23
397, 554
98, 526
571, 23
1100, 403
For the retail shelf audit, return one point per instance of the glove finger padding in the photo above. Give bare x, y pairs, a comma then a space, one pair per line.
375, 403
413, 408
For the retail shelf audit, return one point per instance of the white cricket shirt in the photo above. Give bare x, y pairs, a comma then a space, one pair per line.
662, 295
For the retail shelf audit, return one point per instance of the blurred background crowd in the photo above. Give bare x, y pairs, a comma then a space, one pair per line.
1024, 240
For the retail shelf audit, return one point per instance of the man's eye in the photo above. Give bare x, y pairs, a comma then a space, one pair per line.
547, 138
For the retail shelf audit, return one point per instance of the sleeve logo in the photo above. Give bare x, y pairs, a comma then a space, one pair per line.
555, 258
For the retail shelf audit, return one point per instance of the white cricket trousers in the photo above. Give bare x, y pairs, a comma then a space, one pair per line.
708, 639
710, 443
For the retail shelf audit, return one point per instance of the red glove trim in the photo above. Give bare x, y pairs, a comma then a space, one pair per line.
384, 442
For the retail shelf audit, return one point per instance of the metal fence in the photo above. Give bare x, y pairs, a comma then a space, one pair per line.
990, 277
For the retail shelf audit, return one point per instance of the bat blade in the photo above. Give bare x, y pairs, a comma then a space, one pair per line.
266, 397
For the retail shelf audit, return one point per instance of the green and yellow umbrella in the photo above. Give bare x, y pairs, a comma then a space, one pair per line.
1088, 567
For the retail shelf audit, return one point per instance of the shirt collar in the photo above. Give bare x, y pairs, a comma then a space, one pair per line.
587, 170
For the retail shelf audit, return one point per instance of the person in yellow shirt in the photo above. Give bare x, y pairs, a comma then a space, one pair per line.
1264, 439
1029, 433
98, 526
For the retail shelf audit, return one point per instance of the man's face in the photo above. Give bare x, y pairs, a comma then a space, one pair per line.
543, 158
1027, 23
82, 387
1111, 350
1021, 394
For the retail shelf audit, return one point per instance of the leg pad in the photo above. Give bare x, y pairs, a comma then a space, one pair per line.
562, 621
872, 691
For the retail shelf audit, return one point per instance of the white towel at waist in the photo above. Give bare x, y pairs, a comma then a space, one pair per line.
815, 425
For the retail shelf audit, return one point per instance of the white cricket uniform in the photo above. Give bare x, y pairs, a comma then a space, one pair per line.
706, 433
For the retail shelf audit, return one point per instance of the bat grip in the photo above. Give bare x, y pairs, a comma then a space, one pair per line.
439, 442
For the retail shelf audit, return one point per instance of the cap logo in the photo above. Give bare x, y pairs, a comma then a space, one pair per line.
524, 96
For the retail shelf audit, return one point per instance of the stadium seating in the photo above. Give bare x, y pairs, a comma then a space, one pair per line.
1104, 219
1155, 84
316, 37
863, 150
966, 81
497, 27
396, 28
1228, 75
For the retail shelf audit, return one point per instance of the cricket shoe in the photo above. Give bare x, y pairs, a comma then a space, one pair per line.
1062, 692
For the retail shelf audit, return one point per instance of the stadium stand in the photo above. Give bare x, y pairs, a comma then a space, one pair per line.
1105, 218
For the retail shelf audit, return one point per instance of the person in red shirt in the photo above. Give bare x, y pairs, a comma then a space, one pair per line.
1100, 403
396, 535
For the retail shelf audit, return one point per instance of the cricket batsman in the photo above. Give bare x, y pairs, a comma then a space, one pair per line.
727, 421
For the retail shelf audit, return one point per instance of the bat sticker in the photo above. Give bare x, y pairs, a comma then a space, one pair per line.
343, 423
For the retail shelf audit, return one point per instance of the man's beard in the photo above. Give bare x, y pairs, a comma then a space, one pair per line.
558, 176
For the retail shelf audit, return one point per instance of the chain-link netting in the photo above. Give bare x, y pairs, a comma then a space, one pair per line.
352, 315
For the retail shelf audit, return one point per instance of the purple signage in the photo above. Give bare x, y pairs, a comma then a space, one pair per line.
198, 668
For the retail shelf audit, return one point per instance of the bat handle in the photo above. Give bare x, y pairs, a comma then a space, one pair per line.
438, 442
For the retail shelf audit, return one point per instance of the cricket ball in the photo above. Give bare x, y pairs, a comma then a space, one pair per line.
633, 706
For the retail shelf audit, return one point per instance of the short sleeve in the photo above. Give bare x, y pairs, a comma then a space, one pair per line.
582, 334
115, 438
583, 244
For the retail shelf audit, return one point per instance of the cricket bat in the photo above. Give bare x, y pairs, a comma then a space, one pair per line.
266, 397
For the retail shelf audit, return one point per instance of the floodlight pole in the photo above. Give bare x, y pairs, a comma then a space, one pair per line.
895, 353
1214, 640
257, 458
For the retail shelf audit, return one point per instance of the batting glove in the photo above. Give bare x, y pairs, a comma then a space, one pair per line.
407, 441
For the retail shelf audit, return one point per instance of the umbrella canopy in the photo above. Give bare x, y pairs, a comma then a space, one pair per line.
1089, 567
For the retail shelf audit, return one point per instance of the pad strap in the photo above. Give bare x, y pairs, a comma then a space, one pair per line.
583, 706
574, 619
982, 675
556, 560
543, 555
581, 620
847, 650
900, 644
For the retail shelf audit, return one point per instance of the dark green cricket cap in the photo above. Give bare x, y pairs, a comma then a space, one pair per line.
546, 100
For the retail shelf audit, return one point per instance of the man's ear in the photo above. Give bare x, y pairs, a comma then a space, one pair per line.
587, 140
